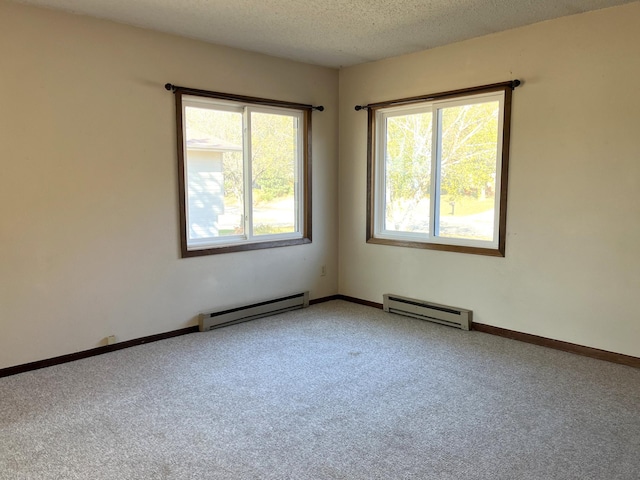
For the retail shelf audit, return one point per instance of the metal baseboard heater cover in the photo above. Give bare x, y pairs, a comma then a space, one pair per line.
210, 320
432, 312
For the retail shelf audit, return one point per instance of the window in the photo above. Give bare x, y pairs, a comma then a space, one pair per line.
438, 171
244, 170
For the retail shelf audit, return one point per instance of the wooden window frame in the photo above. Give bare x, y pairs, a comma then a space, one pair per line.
372, 110
305, 228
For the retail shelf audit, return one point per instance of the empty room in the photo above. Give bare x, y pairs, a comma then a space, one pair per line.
319, 240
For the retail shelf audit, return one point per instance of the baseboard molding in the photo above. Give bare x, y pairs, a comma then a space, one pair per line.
559, 345
49, 362
346, 298
479, 327
359, 301
315, 301
71, 357
534, 339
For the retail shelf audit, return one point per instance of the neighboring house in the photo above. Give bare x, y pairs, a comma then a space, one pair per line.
205, 183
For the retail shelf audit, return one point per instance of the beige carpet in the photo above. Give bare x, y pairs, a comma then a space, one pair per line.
335, 391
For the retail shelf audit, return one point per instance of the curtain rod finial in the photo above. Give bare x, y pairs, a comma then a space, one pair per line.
168, 86
515, 83
319, 108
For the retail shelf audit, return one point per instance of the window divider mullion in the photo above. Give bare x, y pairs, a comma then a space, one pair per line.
434, 188
246, 161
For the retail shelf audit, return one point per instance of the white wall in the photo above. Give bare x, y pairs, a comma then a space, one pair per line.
89, 242
572, 266
88, 191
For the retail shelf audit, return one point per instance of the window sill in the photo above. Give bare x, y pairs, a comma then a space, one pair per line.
242, 247
497, 252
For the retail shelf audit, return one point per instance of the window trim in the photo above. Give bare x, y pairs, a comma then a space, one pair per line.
305, 179
372, 146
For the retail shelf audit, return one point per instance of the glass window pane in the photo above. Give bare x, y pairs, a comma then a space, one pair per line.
274, 147
214, 170
408, 172
468, 171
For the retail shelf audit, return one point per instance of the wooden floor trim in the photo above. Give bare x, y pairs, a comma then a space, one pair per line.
480, 327
315, 301
346, 299
559, 345
534, 339
49, 362
359, 301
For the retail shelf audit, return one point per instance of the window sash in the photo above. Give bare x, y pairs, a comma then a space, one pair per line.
297, 175
378, 123
301, 171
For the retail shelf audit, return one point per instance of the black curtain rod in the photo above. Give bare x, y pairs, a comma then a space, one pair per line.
241, 98
512, 84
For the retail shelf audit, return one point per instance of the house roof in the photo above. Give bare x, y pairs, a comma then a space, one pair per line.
212, 144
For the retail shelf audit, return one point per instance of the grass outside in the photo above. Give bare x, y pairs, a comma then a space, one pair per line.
270, 218
260, 230
465, 206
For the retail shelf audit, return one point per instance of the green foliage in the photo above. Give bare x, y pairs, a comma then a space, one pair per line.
465, 206
468, 168
273, 148
265, 229
233, 175
408, 159
469, 136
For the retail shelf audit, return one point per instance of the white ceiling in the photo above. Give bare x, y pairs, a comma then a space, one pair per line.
333, 33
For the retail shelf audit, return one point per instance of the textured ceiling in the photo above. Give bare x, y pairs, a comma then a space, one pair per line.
333, 33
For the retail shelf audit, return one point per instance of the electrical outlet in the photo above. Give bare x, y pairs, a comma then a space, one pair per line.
323, 270
111, 339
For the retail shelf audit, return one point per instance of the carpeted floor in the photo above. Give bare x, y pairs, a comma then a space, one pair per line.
335, 391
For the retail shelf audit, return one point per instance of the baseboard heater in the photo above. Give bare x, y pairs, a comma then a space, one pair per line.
210, 320
432, 312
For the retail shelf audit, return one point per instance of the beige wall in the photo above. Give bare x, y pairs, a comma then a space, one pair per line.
89, 221
572, 266
88, 201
